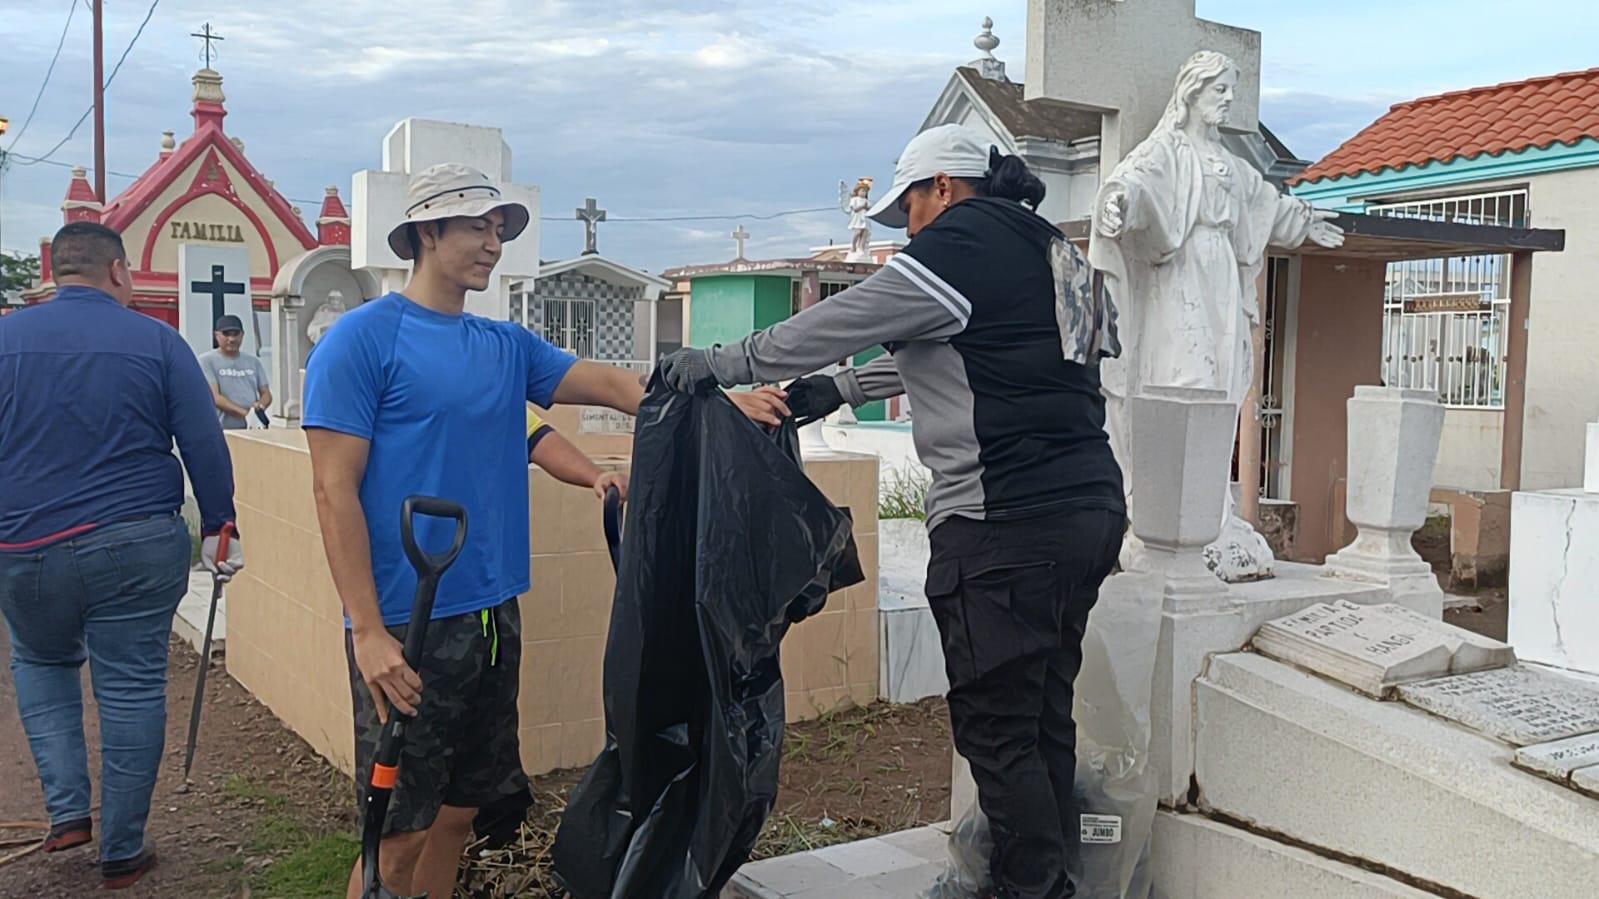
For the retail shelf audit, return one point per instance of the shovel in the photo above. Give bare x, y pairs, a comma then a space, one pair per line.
217, 581
430, 567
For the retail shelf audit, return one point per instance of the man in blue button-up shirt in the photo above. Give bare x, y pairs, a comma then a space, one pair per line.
93, 554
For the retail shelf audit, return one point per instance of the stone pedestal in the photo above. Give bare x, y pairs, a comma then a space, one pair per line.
1393, 446
1180, 451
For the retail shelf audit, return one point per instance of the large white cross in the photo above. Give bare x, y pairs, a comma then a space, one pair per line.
1120, 58
740, 235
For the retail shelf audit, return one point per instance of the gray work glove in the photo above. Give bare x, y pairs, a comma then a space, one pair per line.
688, 370
226, 568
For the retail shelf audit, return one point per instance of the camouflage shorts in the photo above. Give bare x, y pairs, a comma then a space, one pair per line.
462, 750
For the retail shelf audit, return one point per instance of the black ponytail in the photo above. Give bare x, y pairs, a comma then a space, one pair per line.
1009, 178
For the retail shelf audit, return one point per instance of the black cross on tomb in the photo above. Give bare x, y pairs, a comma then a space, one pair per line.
219, 288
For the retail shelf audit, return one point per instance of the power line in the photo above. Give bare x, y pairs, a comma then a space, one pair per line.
31, 160
34, 160
71, 9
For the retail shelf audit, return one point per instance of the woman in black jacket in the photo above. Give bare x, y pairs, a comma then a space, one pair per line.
995, 336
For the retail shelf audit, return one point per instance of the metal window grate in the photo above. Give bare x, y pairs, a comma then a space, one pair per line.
1445, 321
570, 325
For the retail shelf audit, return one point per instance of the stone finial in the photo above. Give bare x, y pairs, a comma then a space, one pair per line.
986, 41
208, 99
986, 65
238, 143
168, 143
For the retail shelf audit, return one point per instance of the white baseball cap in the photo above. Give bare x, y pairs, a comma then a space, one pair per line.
448, 190
953, 150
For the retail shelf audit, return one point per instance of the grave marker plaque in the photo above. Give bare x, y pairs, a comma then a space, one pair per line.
1560, 759
1362, 646
1520, 706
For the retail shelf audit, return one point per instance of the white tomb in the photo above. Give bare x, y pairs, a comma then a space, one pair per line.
1554, 565
379, 203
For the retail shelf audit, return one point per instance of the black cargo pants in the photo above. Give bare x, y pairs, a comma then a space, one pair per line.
1011, 599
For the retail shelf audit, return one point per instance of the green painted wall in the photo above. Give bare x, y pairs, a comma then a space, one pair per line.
876, 410
726, 308
774, 300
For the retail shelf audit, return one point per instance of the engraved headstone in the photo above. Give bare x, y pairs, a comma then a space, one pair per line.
1374, 648
1469, 651
1520, 706
1559, 759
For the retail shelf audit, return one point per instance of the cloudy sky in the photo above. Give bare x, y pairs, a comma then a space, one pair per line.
671, 108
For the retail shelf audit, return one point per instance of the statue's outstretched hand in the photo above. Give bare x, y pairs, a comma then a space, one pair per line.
1113, 214
1322, 231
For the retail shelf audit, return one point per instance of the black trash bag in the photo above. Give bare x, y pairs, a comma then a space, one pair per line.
727, 544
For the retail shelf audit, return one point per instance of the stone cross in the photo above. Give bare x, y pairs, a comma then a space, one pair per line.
1120, 58
590, 215
740, 235
207, 35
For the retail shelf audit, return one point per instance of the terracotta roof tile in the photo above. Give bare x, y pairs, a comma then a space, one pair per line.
1540, 112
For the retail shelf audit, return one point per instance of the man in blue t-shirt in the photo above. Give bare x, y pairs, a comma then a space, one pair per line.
406, 395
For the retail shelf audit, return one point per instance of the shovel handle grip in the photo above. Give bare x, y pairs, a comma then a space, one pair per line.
430, 564
224, 537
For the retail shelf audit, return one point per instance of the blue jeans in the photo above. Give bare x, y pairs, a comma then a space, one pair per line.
107, 596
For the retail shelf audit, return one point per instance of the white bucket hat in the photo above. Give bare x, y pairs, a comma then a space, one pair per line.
448, 190
953, 150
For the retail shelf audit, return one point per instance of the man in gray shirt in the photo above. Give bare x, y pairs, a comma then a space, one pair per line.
239, 384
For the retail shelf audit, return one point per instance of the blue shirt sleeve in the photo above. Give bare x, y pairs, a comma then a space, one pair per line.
344, 381
546, 367
192, 420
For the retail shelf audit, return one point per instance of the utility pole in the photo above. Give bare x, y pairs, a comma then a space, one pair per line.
5, 125
99, 105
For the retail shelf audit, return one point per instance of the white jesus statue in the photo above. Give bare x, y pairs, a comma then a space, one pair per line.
1181, 228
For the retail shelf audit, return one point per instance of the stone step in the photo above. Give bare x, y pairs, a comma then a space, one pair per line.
896, 866
1289, 753
1207, 859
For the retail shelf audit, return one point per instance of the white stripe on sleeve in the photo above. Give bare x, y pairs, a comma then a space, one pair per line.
936, 287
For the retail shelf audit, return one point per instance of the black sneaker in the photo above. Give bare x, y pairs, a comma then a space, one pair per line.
123, 874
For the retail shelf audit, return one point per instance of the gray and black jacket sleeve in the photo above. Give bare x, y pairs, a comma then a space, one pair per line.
899, 303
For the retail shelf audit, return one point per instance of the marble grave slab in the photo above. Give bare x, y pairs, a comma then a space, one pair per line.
1521, 706
1586, 780
1560, 759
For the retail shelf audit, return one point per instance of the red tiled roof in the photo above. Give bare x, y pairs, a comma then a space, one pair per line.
1539, 112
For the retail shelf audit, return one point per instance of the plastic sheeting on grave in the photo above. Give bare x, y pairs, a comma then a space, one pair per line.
726, 545
1115, 787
